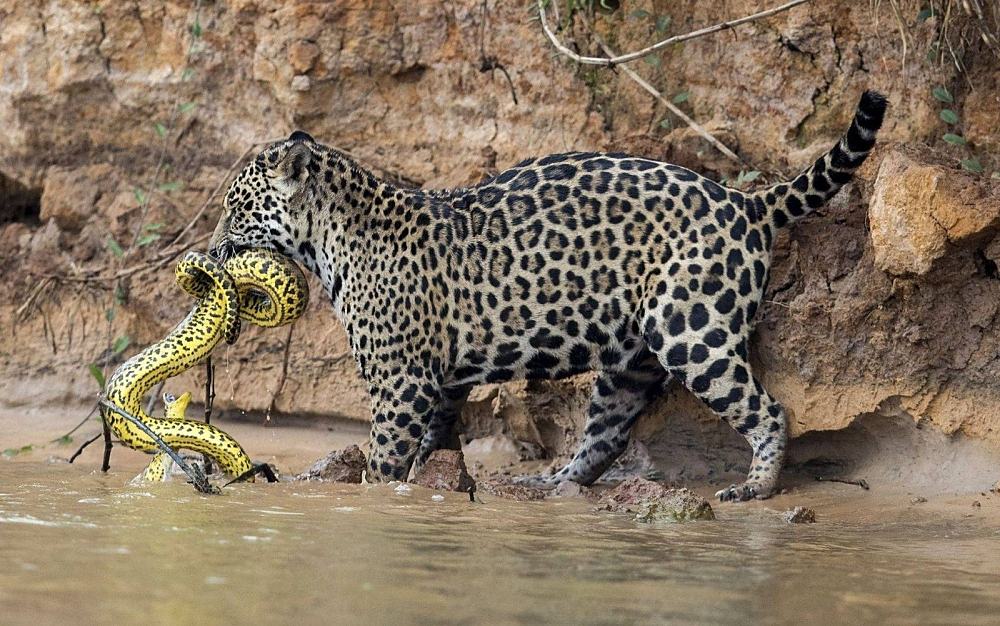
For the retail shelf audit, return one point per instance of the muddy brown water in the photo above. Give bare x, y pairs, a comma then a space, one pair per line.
79, 547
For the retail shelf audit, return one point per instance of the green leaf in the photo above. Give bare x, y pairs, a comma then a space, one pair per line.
119, 295
161, 130
187, 106
140, 196
121, 344
65, 440
147, 239
681, 97
972, 165
639, 14
652, 60
109, 314
97, 374
926, 14
153, 226
173, 185
187, 74
949, 116
665, 123
11, 452
953, 139
662, 23
749, 177
196, 28
942, 94
115, 248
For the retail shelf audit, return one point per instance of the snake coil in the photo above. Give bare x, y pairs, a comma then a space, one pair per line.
257, 286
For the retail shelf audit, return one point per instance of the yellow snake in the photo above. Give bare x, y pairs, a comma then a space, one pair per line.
259, 286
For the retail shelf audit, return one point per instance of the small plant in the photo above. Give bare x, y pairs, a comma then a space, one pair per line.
146, 233
742, 180
12, 452
950, 117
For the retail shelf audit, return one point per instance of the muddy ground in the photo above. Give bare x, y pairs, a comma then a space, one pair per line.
918, 468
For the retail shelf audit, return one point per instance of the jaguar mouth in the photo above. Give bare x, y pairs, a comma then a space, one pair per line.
226, 250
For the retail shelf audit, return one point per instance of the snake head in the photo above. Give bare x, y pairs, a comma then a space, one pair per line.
175, 407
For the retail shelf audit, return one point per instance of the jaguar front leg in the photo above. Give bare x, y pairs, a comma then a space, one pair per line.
401, 414
441, 433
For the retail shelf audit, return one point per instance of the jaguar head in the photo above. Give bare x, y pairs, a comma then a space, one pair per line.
266, 204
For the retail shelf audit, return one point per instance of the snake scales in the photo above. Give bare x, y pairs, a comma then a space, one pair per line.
257, 286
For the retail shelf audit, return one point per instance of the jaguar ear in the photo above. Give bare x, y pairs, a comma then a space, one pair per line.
294, 165
301, 135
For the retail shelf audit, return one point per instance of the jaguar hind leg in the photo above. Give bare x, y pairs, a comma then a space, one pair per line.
617, 399
712, 363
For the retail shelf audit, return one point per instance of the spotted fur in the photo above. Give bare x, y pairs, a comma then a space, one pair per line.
643, 271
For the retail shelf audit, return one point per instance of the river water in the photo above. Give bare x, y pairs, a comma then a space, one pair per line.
78, 547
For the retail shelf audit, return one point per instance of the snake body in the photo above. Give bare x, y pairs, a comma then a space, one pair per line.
258, 286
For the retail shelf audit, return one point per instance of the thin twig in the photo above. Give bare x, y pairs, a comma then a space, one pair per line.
612, 59
196, 475
86, 443
284, 374
21, 310
489, 63
106, 432
153, 396
861, 482
209, 402
218, 188
695, 126
209, 388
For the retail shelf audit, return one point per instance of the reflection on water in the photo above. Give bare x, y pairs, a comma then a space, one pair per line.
81, 548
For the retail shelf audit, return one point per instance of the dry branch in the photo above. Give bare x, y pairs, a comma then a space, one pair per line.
612, 59
695, 126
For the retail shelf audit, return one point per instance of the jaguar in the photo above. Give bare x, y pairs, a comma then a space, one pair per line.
641, 271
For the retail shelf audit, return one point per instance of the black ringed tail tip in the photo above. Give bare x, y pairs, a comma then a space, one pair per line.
786, 203
871, 108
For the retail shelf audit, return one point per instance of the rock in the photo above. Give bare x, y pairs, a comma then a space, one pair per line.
981, 112
70, 195
301, 83
648, 501
11, 234
568, 489
343, 466
976, 504
800, 515
918, 500
503, 488
44, 248
445, 470
917, 209
635, 461
302, 55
